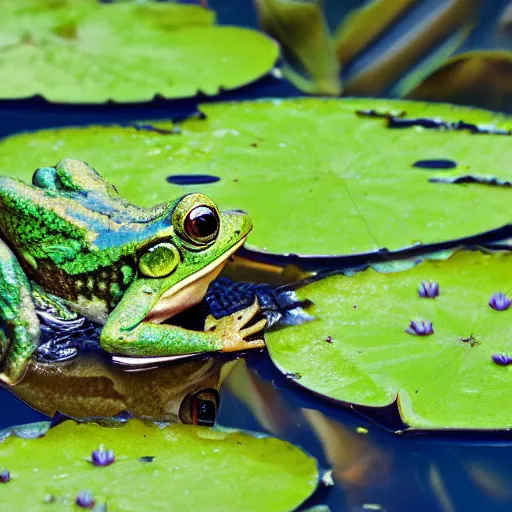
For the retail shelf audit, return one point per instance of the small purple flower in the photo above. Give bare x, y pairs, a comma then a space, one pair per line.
500, 302
102, 457
5, 476
428, 289
501, 359
420, 328
84, 499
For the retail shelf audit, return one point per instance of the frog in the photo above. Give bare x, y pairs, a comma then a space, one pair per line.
70, 238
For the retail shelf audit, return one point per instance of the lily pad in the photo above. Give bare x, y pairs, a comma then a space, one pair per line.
317, 176
358, 351
81, 51
178, 467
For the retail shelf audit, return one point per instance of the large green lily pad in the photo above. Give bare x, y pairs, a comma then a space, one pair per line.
358, 351
173, 468
81, 51
316, 177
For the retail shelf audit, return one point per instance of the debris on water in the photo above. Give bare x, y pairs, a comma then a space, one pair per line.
373, 506
420, 328
470, 340
502, 359
327, 479
440, 163
147, 459
500, 302
428, 289
328, 339
102, 457
84, 499
293, 376
362, 430
5, 476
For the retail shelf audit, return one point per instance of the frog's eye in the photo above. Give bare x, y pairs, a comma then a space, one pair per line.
196, 220
200, 408
159, 260
201, 225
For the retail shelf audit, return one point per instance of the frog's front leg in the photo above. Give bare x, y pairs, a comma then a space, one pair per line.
122, 335
20, 330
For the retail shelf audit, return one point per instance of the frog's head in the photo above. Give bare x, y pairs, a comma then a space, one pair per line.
177, 266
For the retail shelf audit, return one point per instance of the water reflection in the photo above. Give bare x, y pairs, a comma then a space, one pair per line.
91, 386
373, 469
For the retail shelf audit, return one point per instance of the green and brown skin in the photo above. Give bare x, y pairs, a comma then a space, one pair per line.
71, 235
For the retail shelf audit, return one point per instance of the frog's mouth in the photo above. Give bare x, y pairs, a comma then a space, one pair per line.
190, 291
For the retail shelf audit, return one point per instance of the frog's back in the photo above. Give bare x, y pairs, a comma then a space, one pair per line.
77, 244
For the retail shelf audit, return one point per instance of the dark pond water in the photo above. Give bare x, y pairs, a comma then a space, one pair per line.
373, 469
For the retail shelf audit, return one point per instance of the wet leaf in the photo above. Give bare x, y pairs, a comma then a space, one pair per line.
316, 177
365, 24
439, 32
445, 380
192, 468
301, 30
81, 51
481, 79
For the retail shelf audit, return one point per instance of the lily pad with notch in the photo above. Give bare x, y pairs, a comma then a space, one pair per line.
338, 172
71, 51
384, 338
239, 471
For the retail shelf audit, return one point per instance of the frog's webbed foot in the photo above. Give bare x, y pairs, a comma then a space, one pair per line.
63, 333
234, 329
56, 351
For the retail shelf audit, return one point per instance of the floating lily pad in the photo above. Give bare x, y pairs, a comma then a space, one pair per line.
86, 52
358, 351
177, 467
316, 176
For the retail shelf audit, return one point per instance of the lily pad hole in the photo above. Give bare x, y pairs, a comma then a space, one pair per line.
435, 164
192, 179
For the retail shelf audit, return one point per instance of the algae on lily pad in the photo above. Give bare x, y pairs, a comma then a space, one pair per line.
82, 51
317, 176
173, 468
358, 351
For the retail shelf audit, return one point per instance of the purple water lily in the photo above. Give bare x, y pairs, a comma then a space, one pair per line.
420, 328
501, 359
102, 457
500, 302
84, 499
428, 289
5, 476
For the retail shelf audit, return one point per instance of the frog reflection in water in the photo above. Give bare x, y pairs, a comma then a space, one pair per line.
70, 237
